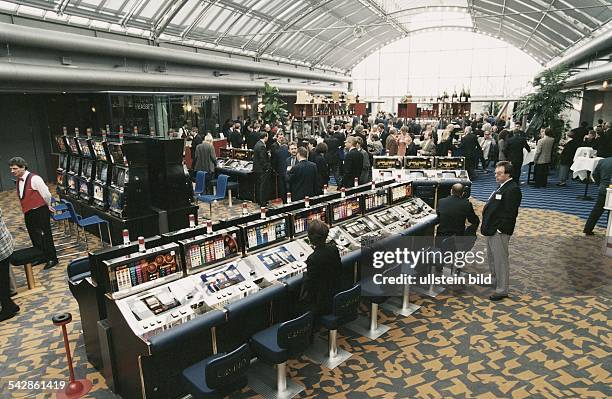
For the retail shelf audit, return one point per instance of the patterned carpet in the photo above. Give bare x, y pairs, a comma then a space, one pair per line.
551, 339
562, 199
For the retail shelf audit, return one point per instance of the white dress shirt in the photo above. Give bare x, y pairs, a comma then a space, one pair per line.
37, 184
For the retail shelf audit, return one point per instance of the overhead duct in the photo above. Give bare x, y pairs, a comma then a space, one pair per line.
35, 75
600, 43
69, 42
596, 74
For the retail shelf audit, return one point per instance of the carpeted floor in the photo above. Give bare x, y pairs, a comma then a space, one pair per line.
553, 197
551, 339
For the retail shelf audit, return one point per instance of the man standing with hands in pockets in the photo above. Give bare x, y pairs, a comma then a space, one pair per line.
498, 221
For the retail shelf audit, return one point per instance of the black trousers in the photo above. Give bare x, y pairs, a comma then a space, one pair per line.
541, 174
263, 187
596, 212
37, 221
517, 164
5, 291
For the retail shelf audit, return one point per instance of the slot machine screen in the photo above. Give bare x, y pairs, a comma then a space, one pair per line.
87, 168
116, 154
73, 183
243, 155
74, 165
225, 153
61, 145
83, 188
219, 279
400, 192
261, 234
152, 267
115, 199
98, 193
99, 150
62, 161
302, 219
212, 250
345, 209
84, 147
102, 172
119, 176
448, 174
73, 146
60, 179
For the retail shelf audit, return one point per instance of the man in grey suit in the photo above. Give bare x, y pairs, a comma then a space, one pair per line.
205, 158
543, 156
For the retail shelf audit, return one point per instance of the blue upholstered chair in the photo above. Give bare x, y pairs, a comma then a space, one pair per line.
220, 192
344, 310
82, 222
276, 344
200, 186
218, 375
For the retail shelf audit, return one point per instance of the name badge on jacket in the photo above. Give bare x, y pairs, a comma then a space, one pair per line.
498, 196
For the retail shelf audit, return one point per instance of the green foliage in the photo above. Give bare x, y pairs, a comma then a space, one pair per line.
273, 108
550, 99
495, 109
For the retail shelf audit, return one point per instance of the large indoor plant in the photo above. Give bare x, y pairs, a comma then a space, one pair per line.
273, 107
545, 105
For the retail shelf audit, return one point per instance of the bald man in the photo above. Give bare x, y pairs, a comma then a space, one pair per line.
453, 211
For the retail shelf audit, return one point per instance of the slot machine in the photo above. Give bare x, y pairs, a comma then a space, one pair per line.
74, 169
103, 174
128, 193
63, 165
270, 253
420, 171
387, 167
88, 169
451, 170
342, 211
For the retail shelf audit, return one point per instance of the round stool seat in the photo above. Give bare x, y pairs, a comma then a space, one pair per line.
61, 319
26, 256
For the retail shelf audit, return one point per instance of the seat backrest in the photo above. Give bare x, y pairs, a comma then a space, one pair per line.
200, 180
73, 215
346, 304
78, 266
227, 369
294, 335
222, 186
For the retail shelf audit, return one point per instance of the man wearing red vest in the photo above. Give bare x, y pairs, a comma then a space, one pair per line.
35, 201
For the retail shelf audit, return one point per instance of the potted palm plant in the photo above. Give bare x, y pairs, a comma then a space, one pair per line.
273, 107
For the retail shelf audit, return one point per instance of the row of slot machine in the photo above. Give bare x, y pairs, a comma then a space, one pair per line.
165, 286
419, 168
95, 172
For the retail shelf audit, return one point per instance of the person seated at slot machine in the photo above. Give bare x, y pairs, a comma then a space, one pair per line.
452, 212
303, 176
323, 277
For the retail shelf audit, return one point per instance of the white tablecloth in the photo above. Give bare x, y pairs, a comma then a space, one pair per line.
582, 165
584, 152
528, 156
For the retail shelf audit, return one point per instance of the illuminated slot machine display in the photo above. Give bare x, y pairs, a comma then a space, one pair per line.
399, 192
374, 200
207, 250
451, 167
302, 218
63, 165
416, 209
266, 232
392, 219
74, 169
223, 284
88, 169
244, 158
418, 168
128, 193
362, 229
281, 262
103, 174
387, 167
340, 211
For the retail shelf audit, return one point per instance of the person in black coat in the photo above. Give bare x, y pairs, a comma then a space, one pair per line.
453, 211
514, 153
470, 150
322, 280
262, 168
303, 177
316, 154
197, 140
353, 163
252, 136
332, 157
235, 136
280, 166
567, 158
498, 221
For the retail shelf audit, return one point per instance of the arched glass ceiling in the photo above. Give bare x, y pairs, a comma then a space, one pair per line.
332, 34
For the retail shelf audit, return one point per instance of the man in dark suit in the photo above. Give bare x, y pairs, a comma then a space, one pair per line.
316, 155
353, 162
470, 149
514, 154
235, 137
262, 168
580, 131
252, 136
453, 211
498, 220
303, 176
603, 177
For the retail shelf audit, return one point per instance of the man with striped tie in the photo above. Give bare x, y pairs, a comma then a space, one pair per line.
498, 221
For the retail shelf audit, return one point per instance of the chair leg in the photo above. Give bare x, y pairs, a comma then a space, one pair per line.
229, 194
100, 235
374, 317
281, 377
110, 238
210, 209
333, 343
30, 276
